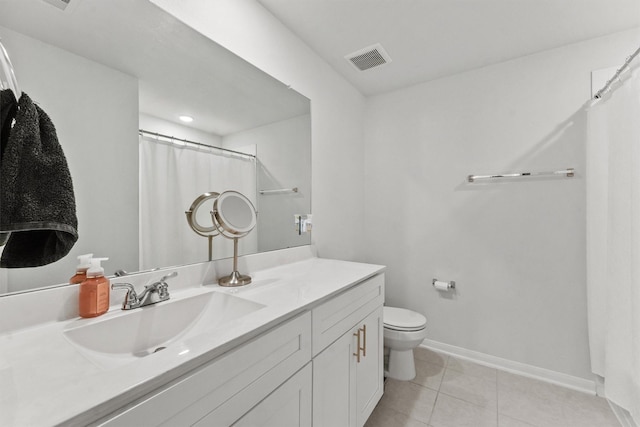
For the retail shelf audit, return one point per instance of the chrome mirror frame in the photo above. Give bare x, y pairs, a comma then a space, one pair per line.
206, 231
231, 230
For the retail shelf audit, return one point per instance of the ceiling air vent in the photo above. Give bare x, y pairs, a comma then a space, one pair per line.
369, 57
60, 4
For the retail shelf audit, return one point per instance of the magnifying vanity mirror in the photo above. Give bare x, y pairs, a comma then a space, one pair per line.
199, 218
234, 216
105, 70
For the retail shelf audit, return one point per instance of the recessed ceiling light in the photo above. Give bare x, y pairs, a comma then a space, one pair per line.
186, 119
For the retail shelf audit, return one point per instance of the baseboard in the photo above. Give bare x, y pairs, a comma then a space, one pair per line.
542, 374
623, 416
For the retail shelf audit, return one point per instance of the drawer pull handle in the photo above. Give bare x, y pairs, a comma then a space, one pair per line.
362, 343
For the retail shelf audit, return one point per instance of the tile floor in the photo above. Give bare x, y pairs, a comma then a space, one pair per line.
450, 392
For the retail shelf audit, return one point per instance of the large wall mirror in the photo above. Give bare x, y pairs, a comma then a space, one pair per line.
105, 70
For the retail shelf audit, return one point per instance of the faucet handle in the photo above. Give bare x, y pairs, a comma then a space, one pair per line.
168, 276
131, 298
163, 291
163, 288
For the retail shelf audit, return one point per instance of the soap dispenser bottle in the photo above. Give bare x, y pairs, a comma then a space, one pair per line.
94, 291
81, 270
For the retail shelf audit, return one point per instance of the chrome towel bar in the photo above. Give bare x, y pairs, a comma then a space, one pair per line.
281, 190
568, 172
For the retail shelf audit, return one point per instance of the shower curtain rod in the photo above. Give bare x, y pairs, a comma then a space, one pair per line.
171, 139
620, 70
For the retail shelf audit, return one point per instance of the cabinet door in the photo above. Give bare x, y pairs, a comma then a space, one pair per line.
335, 317
334, 379
289, 405
346, 388
370, 369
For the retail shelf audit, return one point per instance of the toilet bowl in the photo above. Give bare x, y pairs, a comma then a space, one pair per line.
404, 330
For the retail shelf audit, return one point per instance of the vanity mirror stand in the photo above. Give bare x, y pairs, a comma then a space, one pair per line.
234, 216
197, 218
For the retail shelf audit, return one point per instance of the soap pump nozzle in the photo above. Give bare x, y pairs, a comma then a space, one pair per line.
96, 268
84, 262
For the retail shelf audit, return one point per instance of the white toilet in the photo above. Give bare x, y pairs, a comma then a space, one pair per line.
404, 330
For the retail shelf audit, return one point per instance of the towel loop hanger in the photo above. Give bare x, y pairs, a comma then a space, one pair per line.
8, 71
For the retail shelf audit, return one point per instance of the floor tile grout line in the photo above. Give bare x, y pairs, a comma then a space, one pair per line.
446, 368
464, 399
437, 387
433, 409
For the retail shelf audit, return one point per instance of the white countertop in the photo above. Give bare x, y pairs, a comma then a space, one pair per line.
46, 380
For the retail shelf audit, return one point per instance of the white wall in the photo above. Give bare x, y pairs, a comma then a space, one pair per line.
95, 111
248, 30
284, 161
515, 249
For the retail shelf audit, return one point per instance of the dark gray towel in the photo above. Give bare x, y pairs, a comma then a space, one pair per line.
8, 110
37, 203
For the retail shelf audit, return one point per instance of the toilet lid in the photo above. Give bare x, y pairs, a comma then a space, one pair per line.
402, 319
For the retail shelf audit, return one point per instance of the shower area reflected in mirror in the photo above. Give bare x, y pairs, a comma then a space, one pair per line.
176, 174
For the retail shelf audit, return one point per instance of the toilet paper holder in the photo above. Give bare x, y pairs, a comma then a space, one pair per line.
450, 285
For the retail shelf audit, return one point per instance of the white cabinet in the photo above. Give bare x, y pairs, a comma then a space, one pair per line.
370, 368
347, 380
321, 368
348, 374
229, 386
334, 384
336, 316
289, 405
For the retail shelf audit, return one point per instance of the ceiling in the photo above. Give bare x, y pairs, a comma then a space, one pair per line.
429, 39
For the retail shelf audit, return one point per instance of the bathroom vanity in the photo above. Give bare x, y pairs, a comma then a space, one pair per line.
300, 346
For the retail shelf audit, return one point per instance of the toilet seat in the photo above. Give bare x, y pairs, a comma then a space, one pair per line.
401, 319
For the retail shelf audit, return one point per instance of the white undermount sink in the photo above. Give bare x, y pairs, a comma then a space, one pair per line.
121, 337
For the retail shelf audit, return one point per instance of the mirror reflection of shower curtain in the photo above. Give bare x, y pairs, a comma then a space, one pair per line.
613, 242
171, 177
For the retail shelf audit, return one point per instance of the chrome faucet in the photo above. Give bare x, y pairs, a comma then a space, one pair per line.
153, 293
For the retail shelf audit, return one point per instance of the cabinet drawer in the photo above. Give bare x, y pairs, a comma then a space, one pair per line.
267, 360
288, 406
341, 313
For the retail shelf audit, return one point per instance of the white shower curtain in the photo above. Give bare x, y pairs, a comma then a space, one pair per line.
171, 178
613, 242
